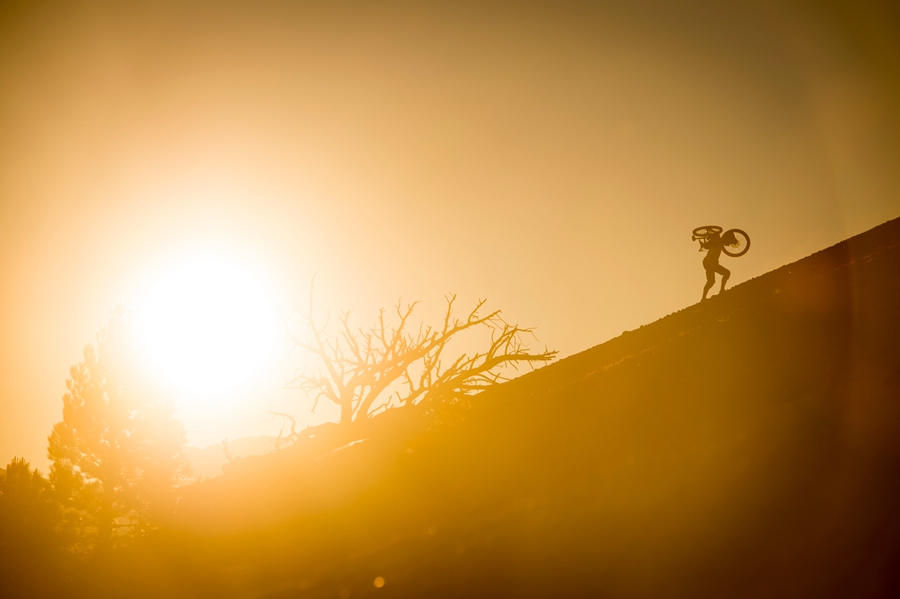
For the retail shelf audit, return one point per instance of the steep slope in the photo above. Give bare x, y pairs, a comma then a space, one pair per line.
743, 447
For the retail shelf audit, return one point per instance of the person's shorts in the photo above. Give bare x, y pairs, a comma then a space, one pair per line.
712, 269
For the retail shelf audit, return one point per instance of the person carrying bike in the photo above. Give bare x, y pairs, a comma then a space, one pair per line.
733, 242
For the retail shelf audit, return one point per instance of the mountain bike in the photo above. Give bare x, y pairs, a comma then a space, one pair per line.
736, 242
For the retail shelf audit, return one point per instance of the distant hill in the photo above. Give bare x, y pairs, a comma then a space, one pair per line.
207, 462
748, 446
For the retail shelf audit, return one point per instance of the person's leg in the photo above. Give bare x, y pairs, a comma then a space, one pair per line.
725, 275
710, 281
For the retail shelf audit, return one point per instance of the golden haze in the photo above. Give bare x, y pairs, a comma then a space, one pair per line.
550, 159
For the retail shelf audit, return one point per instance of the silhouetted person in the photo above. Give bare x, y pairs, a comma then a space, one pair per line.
713, 245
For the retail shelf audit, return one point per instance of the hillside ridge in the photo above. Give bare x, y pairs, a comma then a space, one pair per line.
741, 447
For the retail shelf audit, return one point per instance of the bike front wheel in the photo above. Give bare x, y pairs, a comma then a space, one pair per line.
736, 242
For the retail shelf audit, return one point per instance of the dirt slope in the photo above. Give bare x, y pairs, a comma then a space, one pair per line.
744, 447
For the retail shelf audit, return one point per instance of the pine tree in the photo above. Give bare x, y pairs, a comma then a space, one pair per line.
117, 454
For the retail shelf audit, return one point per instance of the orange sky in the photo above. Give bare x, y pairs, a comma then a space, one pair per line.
553, 160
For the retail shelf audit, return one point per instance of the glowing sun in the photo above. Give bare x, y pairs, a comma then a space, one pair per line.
209, 325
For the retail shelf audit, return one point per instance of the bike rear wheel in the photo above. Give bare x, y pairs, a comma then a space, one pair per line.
737, 243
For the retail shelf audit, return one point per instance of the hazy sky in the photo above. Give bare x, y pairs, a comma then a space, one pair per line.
553, 159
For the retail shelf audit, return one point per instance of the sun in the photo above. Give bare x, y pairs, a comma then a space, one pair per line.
209, 325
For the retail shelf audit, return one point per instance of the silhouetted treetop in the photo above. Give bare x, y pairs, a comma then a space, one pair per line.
30, 546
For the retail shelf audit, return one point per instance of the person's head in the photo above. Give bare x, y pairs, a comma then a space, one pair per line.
714, 235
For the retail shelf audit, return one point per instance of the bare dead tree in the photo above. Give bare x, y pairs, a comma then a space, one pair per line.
399, 364
284, 439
